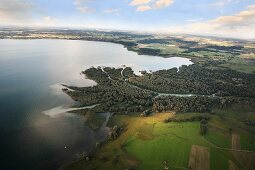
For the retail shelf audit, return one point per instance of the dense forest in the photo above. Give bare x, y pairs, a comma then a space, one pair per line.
196, 79
112, 95
119, 90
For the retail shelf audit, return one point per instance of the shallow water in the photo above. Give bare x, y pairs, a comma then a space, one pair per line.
59, 110
31, 74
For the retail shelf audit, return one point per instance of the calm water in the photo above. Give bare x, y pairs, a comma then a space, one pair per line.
31, 72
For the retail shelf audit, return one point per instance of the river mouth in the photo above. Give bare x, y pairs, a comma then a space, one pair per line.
31, 74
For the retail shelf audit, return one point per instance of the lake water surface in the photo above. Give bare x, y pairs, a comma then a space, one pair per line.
31, 73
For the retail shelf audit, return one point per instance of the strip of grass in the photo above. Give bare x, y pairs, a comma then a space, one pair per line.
247, 143
218, 159
219, 137
153, 153
246, 68
172, 143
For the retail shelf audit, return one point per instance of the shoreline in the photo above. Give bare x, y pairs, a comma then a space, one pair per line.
56, 111
192, 59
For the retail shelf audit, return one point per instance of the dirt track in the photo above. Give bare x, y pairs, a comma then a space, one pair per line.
232, 166
247, 160
199, 158
236, 141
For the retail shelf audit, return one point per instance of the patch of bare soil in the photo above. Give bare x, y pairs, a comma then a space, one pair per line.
246, 159
236, 141
232, 165
199, 158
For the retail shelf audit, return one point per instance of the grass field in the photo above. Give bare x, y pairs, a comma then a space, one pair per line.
246, 68
148, 143
171, 144
219, 159
233, 118
247, 142
246, 159
232, 166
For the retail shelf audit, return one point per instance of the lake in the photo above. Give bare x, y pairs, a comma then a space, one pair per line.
31, 74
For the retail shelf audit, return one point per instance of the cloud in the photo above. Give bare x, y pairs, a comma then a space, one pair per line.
143, 8
145, 5
47, 21
85, 9
241, 25
243, 18
82, 6
194, 20
112, 10
15, 11
162, 3
81, 2
21, 12
139, 2
222, 3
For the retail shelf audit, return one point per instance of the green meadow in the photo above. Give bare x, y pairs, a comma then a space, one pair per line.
150, 143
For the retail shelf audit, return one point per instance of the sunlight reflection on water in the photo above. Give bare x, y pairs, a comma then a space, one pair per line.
31, 75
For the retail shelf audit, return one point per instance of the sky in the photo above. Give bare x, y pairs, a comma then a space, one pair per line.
227, 18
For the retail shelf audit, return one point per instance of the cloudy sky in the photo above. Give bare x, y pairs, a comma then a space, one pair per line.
229, 18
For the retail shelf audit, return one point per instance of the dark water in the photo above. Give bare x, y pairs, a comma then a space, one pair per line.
31, 72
